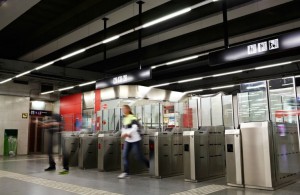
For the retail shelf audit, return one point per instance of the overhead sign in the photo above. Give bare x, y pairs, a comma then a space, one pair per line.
40, 113
126, 78
262, 47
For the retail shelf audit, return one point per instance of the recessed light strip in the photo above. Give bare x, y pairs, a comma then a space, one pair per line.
167, 17
88, 83
48, 92
72, 54
22, 74
66, 88
151, 23
5, 81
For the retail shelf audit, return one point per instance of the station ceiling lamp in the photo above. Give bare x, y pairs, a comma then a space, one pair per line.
146, 25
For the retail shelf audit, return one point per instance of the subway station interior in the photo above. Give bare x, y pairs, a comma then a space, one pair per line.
159, 97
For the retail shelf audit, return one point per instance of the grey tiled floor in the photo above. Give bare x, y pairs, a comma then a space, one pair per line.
24, 175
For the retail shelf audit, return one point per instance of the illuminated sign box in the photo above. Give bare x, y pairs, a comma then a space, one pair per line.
257, 48
130, 77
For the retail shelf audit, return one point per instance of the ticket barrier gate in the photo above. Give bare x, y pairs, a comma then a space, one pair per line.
204, 156
166, 154
234, 159
135, 166
109, 151
88, 153
70, 144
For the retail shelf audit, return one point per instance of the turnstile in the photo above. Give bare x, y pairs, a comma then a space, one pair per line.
204, 156
234, 160
136, 166
166, 154
109, 151
268, 164
88, 154
70, 144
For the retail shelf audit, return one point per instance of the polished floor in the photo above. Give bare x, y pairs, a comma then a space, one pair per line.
25, 176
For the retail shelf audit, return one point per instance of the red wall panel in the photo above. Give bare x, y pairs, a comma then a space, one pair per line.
71, 111
97, 108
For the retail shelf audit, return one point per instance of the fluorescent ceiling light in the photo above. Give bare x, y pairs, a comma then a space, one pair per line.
198, 90
222, 87
202, 4
273, 65
227, 73
111, 39
167, 17
5, 81
47, 92
88, 83
255, 87
22, 74
72, 54
164, 84
66, 88
182, 60
189, 80
45, 65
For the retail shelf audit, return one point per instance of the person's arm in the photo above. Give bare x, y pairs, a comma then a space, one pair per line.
125, 133
134, 128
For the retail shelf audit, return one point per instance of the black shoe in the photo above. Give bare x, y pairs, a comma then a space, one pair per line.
50, 169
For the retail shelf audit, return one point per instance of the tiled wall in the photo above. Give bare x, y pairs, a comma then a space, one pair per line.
11, 109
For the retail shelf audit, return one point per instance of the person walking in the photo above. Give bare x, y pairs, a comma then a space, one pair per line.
131, 134
52, 126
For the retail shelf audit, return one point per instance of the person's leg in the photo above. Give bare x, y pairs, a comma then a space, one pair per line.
126, 151
139, 153
52, 163
65, 162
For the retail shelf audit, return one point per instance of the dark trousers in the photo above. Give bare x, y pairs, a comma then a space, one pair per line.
50, 153
136, 146
50, 149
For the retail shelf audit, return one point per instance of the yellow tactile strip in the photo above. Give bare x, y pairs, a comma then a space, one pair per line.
55, 184
209, 189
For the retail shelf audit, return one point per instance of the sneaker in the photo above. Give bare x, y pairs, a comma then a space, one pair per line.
123, 176
64, 172
50, 169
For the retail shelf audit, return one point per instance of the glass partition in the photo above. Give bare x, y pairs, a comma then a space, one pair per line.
228, 111
284, 118
216, 110
253, 102
206, 111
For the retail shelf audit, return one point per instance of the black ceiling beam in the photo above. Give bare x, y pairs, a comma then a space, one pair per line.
131, 23
26, 38
238, 26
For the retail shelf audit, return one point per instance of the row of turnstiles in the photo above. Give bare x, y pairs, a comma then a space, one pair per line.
197, 154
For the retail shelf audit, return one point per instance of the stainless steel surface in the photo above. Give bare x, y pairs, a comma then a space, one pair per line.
259, 169
70, 144
204, 156
109, 152
88, 154
234, 162
166, 153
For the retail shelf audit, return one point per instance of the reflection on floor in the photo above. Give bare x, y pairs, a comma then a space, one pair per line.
24, 175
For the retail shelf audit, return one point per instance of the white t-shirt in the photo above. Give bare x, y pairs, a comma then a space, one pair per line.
133, 132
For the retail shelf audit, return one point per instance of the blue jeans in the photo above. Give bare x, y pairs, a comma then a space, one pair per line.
136, 146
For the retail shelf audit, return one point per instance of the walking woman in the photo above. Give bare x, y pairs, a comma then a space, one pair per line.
131, 134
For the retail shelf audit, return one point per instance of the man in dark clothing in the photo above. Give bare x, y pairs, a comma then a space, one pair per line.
52, 126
